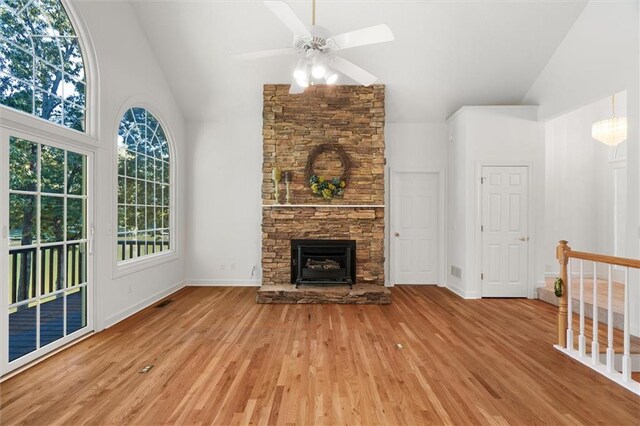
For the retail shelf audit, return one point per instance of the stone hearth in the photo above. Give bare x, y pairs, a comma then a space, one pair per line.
362, 294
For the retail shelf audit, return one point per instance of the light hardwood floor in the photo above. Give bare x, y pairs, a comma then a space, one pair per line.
219, 358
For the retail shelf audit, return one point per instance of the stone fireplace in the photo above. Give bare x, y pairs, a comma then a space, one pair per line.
353, 118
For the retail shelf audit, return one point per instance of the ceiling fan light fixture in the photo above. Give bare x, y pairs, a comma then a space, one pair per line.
332, 78
315, 48
318, 71
300, 75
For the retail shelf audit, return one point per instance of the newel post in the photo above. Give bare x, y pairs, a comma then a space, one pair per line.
563, 258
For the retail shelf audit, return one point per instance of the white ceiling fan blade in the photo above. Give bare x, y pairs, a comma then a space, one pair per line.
265, 53
295, 88
350, 69
284, 12
370, 35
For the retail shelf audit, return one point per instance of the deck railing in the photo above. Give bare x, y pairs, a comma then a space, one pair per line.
129, 249
569, 259
22, 270
22, 266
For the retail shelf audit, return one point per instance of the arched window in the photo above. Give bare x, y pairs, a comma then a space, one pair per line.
41, 65
144, 225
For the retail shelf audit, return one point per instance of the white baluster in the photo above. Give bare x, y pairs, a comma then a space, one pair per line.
569, 307
626, 357
581, 340
610, 350
595, 346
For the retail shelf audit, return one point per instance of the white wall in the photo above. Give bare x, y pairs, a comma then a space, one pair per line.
224, 202
578, 181
508, 135
128, 75
457, 205
416, 146
598, 57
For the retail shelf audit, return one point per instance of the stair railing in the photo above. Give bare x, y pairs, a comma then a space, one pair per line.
565, 254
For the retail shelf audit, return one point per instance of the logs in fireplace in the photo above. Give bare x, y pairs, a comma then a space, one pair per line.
323, 262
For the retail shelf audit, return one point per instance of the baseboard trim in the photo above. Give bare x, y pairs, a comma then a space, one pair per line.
223, 283
133, 309
463, 293
456, 290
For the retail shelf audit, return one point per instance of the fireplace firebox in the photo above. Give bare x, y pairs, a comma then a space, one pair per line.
323, 262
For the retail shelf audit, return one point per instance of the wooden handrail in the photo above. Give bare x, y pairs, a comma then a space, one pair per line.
601, 258
563, 254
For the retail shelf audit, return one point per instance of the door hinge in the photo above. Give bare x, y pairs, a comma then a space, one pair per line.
481, 228
482, 179
482, 276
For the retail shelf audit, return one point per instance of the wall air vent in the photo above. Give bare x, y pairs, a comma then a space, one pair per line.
456, 272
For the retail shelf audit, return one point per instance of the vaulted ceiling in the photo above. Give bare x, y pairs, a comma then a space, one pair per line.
446, 54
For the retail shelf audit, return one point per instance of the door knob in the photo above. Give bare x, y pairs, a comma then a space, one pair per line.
524, 238
397, 234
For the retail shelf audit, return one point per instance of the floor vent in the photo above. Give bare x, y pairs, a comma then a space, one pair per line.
164, 303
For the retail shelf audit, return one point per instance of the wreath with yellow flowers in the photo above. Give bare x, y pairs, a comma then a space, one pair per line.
328, 188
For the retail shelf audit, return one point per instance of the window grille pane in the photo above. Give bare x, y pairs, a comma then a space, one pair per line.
23, 165
76, 227
51, 219
52, 179
16, 94
76, 174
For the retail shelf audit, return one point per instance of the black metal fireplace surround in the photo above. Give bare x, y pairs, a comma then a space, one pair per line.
323, 262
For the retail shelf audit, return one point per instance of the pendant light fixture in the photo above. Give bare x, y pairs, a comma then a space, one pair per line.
611, 131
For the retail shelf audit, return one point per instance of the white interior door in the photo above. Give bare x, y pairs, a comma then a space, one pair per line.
414, 228
504, 229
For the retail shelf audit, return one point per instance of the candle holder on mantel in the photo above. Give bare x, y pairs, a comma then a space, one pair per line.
276, 175
287, 181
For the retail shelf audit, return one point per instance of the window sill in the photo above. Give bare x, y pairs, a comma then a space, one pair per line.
136, 265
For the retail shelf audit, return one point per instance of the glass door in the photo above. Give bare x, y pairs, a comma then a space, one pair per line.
48, 296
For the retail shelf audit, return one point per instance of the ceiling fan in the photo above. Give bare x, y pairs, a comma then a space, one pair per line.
316, 49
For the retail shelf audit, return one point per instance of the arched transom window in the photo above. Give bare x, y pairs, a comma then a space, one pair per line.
41, 66
144, 226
